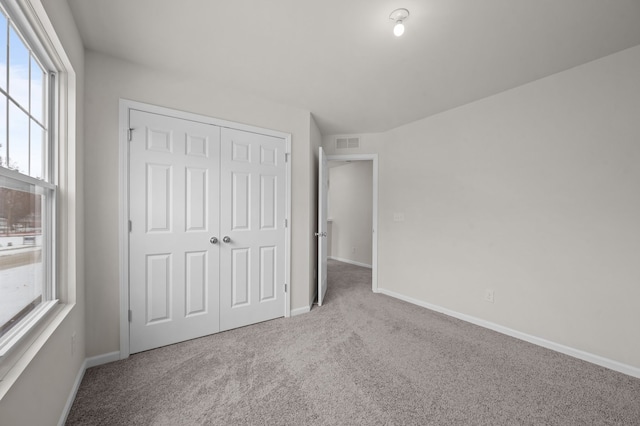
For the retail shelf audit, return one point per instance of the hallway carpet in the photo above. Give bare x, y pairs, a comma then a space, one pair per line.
360, 359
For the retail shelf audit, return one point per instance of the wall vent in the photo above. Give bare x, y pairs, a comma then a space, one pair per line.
347, 143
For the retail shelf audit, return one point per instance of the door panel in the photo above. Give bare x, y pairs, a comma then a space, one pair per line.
240, 273
240, 201
174, 194
268, 202
197, 191
197, 278
158, 197
158, 287
267, 273
253, 180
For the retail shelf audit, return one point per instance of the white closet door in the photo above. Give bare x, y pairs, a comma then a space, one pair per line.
174, 195
252, 217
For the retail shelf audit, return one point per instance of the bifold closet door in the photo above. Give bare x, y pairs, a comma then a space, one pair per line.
174, 212
252, 217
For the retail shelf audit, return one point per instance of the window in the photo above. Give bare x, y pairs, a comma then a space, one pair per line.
27, 186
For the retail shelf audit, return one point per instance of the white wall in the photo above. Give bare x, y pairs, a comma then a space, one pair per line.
350, 210
532, 193
108, 80
49, 369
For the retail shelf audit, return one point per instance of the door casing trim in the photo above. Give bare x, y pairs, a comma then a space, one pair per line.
125, 106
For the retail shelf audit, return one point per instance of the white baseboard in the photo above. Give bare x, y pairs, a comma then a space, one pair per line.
88, 363
300, 311
576, 353
351, 262
72, 394
94, 361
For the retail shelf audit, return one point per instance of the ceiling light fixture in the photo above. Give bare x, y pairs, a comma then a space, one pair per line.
399, 16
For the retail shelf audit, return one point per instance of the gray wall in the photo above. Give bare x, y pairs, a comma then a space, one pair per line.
532, 193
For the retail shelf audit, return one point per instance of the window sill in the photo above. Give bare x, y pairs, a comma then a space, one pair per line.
25, 349
15, 336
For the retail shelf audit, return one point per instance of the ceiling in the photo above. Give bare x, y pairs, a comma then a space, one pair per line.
340, 60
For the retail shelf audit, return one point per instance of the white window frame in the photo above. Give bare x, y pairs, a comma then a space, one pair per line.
31, 334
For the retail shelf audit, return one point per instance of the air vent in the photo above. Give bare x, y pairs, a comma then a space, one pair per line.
347, 143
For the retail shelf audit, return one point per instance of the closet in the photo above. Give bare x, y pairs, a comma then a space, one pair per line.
206, 231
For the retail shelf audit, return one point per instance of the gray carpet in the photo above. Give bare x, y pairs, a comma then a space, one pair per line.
360, 359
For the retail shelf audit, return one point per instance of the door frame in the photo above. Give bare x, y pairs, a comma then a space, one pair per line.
125, 106
374, 231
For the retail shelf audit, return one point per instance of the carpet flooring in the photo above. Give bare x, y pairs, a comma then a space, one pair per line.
360, 359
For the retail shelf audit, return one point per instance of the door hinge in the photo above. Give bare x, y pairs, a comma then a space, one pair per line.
286, 223
285, 288
286, 157
129, 134
130, 226
130, 316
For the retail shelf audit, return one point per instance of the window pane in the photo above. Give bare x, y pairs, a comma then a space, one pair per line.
18, 69
3, 131
3, 51
37, 151
18, 139
37, 91
21, 260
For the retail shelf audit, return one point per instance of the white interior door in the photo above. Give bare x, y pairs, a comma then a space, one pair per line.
174, 213
323, 189
252, 228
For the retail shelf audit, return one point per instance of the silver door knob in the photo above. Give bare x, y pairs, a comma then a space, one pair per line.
226, 239
213, 240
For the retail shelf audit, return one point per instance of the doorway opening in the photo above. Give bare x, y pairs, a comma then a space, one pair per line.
347, 214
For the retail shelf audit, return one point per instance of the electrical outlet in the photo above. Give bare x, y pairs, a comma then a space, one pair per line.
488, 295
398, 217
